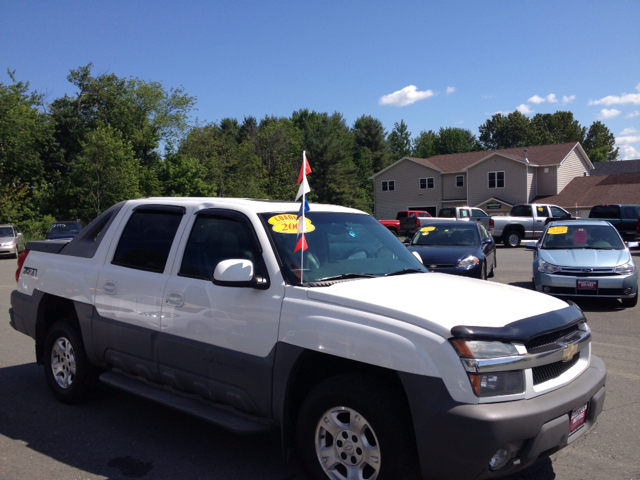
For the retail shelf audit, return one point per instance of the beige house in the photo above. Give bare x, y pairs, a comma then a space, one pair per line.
493, 180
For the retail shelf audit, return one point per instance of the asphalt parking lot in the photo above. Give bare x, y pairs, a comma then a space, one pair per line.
120, 436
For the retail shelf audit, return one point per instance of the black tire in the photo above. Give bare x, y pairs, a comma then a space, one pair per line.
512, 239
71, 377
492, 273
360, 425
483, 272
630, 302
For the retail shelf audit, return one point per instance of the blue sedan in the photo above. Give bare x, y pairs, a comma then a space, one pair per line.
584, 258
460, 248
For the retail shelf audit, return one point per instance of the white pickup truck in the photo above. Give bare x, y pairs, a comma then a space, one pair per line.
447, 214
525, 222
203, 305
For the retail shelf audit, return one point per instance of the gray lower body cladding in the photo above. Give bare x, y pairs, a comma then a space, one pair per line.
456, 441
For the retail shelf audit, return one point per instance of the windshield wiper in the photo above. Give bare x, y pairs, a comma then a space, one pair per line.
403, 271
345, 276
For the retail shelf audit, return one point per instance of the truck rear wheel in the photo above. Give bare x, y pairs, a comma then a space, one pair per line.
512, 239
354, 427
71, 377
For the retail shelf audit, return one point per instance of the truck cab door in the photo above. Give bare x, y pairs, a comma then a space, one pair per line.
541, 213
130, 288
218, 341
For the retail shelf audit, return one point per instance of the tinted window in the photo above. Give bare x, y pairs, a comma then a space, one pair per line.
476, 212
6, 232
542, 211
212, 240
464, 213
447, 213
630, 212
521, 211
605, 211
558, 212
146, 240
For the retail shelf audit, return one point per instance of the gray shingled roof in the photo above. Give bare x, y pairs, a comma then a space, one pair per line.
622, 188
622, 166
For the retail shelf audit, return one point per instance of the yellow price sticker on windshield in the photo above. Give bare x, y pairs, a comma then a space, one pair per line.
288, 223
557, 230
427, 229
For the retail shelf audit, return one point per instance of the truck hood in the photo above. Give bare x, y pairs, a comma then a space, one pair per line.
437, 301
585, 258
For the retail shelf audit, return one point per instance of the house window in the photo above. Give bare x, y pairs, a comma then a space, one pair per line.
427, 183
460, 181
496, 179
388, 185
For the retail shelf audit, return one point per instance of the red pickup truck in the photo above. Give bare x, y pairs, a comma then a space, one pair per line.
394, 225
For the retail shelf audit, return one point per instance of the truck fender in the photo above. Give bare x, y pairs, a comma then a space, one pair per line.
359, 342
65, 285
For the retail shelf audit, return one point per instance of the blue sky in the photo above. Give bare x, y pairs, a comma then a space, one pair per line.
431, 64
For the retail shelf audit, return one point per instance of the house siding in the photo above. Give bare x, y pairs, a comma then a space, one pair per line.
548, 182
449, 189
515, 189
572, 166
407, 175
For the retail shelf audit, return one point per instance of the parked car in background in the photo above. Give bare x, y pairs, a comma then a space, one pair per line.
526, 222
584, 259
64, 229
448, 214
626, 218
395, 227
11, 240
460, 248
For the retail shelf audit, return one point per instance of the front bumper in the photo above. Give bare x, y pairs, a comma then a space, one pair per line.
613, 286
9, 250
457, 441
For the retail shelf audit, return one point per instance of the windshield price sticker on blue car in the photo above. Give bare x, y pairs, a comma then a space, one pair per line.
426, 230
557, 230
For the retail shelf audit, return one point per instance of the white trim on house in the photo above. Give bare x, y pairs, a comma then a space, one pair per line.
395, 164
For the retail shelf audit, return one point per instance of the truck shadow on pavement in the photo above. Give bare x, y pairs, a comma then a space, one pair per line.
120, 436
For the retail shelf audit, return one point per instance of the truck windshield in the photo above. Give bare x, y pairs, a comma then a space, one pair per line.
339, 245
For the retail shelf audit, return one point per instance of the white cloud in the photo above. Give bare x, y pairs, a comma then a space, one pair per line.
632, 114
406, 96
606, 113
633, 98
551, 98
626, 140
569, 99
627, 152
536, 99
628, 131
450, 90
524, 109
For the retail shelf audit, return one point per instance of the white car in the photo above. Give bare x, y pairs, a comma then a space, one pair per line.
11, 241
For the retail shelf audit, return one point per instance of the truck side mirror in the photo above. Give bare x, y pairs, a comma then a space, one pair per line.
237, 272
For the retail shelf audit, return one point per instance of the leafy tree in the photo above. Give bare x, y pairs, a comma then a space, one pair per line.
424, 145
399, 141
182, 176
25, 135
559, 127
455, 140
599, 143
106, 173
513, 130
370, 152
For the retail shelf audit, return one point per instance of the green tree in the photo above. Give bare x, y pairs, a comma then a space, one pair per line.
455, 140
513, 130
183, 176
424, 145
370, 153
559, 127
599, 143
106, 173
399, 141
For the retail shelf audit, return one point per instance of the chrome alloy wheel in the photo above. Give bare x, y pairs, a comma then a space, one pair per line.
347, 446
63, 362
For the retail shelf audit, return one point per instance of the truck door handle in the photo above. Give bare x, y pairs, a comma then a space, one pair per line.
175, 299
110, 287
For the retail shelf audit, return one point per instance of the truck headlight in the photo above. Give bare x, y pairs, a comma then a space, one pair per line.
626, 269
468, 262
546, 267
492, 383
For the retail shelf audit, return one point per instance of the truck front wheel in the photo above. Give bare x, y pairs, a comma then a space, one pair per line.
70, 375
512, 239
353, 427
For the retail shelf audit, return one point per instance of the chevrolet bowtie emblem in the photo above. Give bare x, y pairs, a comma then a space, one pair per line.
569, 352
